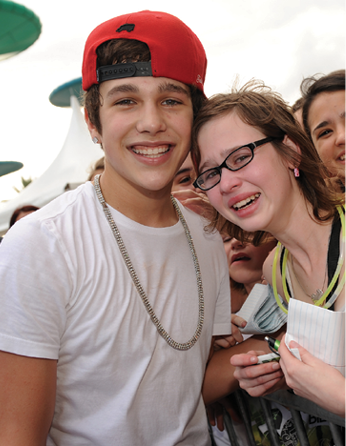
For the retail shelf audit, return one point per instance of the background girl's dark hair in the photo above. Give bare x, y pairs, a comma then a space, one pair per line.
27, 208
315, 85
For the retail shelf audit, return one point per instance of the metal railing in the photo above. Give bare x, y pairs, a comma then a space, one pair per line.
295, 405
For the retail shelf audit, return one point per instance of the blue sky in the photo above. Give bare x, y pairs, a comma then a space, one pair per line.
276, 41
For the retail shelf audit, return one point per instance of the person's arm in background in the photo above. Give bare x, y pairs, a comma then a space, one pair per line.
223, 374
27, 399
195, 201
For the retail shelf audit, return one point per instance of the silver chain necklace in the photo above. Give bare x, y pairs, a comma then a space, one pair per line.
319, 292
176, 345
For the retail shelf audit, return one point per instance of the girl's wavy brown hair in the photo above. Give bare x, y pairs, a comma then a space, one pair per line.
260, 107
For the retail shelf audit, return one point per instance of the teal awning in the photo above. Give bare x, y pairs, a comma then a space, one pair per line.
19, 28
9, 166
61, 95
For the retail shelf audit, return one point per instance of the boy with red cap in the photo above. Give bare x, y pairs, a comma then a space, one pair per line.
112, 292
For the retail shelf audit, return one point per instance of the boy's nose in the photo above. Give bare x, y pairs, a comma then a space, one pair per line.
151, 120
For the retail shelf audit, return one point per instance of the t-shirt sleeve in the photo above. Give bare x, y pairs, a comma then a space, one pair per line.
222, 317
36, 284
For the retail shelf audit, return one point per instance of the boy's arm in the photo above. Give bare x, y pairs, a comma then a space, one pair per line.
27, 399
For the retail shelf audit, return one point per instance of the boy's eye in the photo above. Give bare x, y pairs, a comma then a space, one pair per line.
171, 102
125, 102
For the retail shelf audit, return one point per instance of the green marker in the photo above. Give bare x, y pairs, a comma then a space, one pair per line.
274, 344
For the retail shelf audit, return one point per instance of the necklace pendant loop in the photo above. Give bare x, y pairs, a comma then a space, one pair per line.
317, 295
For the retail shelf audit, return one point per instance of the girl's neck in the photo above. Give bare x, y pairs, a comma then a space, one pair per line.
305, 238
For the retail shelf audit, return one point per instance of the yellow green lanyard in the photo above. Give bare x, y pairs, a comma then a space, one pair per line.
332, 283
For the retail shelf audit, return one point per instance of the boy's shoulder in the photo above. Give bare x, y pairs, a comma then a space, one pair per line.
61, 213
66, 202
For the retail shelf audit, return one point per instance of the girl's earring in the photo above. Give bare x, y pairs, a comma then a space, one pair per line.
296, 172
95, 140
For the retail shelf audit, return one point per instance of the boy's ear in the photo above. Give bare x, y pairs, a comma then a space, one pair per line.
292, 145
92, 129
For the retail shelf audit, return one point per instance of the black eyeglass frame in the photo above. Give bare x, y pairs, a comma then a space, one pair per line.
252, 146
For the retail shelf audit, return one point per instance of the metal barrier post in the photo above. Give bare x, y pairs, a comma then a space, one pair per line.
273, 435
300, 428
244, 412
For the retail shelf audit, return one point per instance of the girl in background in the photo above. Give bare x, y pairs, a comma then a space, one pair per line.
323, 115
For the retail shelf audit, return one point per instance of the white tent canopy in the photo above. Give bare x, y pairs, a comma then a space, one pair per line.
70, 166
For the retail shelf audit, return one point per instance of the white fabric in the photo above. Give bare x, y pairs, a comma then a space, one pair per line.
67, 295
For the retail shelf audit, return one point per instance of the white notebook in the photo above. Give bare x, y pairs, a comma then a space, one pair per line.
320, 331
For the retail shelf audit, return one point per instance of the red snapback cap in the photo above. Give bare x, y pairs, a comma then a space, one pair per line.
176, 52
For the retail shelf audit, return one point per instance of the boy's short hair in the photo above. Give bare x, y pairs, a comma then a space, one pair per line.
144, 43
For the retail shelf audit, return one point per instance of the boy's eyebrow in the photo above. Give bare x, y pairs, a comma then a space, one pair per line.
171, 87
164, 87
123, 88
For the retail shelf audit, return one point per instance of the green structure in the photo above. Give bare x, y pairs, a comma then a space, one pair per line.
19, 28
61, 96
9, 166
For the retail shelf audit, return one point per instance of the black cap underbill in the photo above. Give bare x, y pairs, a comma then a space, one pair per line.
122, 70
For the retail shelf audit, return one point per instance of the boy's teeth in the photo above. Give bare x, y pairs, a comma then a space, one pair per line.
245, 202
342, 157
151, 151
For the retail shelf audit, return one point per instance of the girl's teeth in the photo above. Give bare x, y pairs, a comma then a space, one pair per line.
245, 202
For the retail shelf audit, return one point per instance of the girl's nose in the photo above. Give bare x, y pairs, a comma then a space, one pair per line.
229, 181
236, 244
340, 135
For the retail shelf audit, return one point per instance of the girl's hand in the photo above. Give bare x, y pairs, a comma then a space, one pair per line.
313, 379
257, 380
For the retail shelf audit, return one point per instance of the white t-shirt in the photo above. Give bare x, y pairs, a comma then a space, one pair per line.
67, 295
